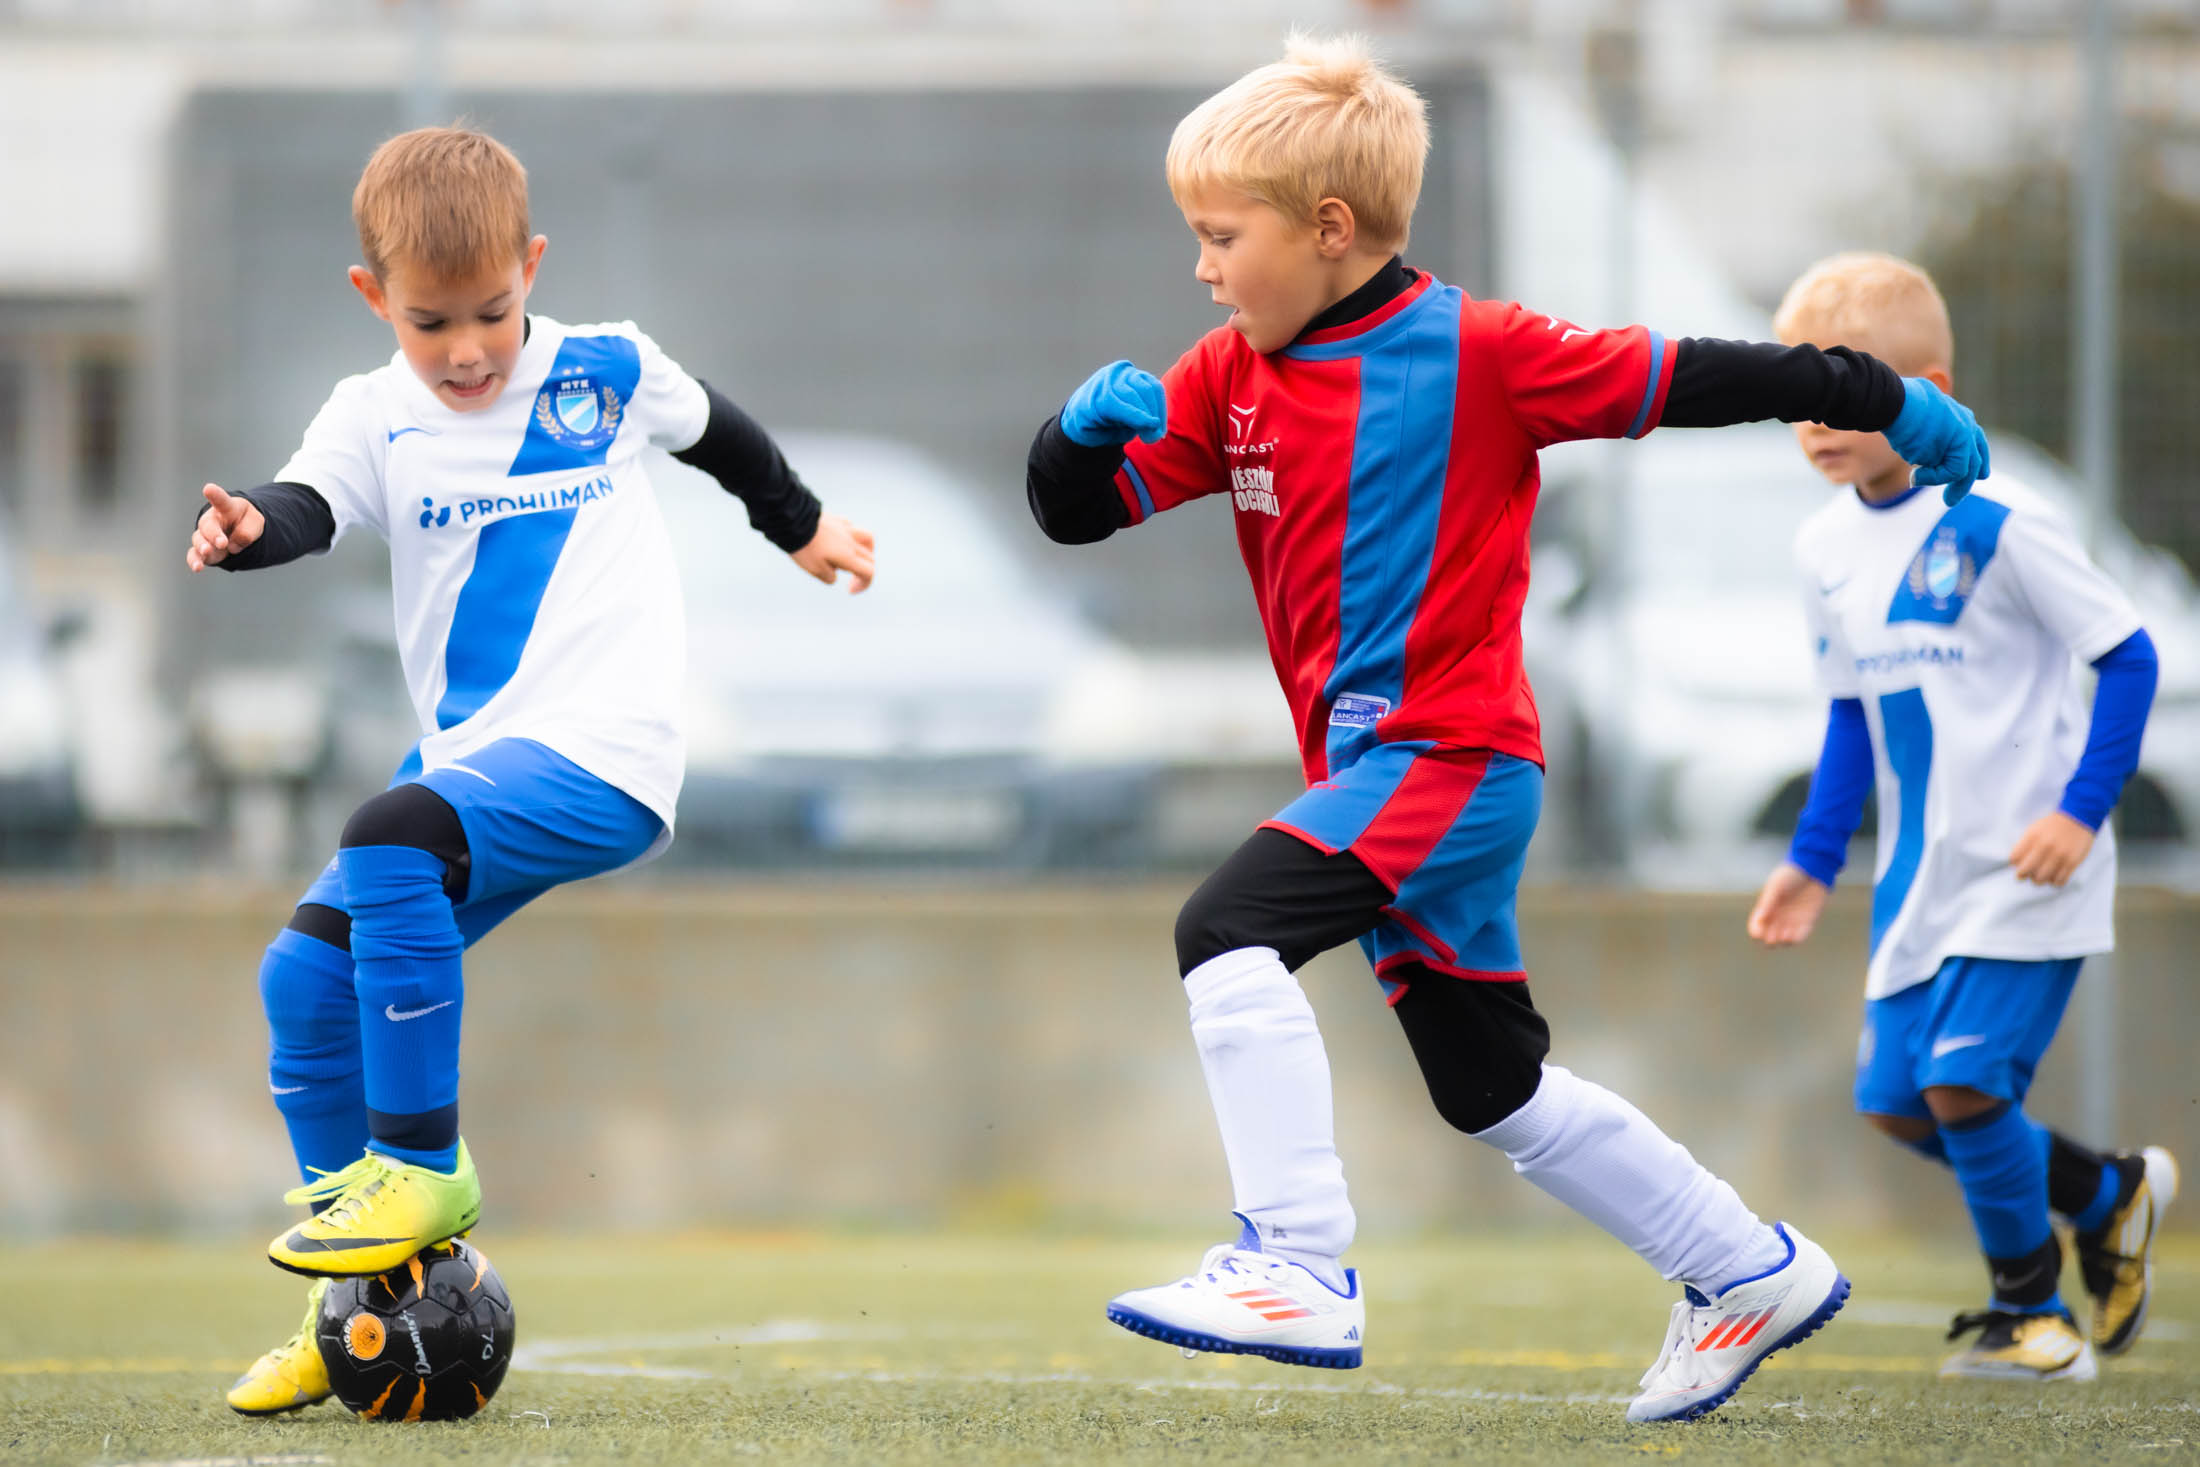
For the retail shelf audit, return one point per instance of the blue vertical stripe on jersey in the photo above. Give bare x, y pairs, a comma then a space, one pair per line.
513, 559
1937, 585
1642, 423
1909, 731
1401, 447
613, 365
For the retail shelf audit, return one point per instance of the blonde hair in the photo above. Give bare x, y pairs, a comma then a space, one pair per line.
447, 200
1876, 303
1327, 121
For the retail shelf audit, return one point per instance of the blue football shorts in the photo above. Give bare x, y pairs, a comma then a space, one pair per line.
1447, 830
533, 820
1982, 1023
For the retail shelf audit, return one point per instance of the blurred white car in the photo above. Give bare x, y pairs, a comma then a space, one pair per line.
39, 810
1680, 670
959, 711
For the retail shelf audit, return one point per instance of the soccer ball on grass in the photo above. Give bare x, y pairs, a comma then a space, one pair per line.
429, 1341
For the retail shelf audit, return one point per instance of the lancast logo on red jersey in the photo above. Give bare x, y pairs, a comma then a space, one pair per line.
1253, 486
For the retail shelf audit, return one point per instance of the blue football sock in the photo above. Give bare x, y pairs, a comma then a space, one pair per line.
2000, 1159
407, 950
313, 1065
2095, 1213
1930, 1146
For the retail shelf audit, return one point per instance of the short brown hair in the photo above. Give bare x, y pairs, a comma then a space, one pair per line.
1327, 121
1876, 303
447, 200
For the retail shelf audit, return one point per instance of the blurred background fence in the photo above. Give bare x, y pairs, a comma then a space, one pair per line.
900, 231
694, 1056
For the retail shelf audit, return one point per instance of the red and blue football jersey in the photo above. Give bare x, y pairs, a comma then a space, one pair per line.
1383, 474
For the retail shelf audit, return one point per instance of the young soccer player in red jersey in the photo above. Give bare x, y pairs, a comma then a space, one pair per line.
1376, 433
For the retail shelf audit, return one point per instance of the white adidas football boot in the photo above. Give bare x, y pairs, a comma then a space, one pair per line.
1712, 1345
1244, 1302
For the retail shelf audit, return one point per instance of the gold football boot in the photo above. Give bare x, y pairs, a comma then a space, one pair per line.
2117, 1259
289, 1376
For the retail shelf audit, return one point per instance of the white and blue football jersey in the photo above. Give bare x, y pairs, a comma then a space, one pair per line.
536, 594
1962, 629
1963, 632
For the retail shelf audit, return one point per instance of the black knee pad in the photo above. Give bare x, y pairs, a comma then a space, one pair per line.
414, 815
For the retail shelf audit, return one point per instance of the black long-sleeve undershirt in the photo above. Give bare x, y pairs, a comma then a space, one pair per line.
737, 452
1718, 383
1071, 488
734, 449
299, 522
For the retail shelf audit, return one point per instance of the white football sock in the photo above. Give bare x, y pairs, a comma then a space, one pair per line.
1607, 1161
1268, 1076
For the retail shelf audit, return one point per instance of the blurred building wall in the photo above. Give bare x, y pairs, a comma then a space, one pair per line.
657, 1056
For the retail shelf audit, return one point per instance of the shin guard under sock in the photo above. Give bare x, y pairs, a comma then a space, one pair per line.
313, 1063
1268, 1076
407, 951
2083, 1185
1607, 1161
2000, 1158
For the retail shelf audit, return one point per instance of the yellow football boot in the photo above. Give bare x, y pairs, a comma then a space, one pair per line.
2021, 1347
380, 1213
2117, 1260
289, 1376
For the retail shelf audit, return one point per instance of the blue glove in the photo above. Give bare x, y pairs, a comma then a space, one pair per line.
1940, 437
1116, 404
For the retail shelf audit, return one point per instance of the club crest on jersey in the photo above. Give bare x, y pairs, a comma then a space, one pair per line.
578, 412
1942, 573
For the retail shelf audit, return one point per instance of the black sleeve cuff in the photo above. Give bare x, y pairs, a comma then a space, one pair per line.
1716, 383
737, 452
1071, 487
299, 522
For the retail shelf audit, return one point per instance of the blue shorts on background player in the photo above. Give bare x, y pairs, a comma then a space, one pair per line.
1948, 638
500, 454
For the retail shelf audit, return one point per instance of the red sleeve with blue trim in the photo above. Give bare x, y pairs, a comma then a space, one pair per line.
1187, 462
1564, 382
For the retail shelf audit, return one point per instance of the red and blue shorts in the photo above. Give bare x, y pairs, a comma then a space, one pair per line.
1447, 830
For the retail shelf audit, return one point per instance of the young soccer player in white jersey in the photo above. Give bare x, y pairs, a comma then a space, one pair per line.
539, 622
1948, 639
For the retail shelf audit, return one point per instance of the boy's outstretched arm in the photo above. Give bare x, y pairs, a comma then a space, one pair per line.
1717, 383
1069, 475
1795, 893
735, 450
270, 525
2055, 845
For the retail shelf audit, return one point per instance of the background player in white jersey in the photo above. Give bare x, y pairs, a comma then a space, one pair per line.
540, 627
1948, 638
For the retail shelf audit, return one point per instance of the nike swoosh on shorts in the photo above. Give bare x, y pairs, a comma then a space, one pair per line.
1952, 1044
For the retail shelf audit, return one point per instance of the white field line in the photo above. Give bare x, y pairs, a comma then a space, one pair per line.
1235, 1387
534, 1354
